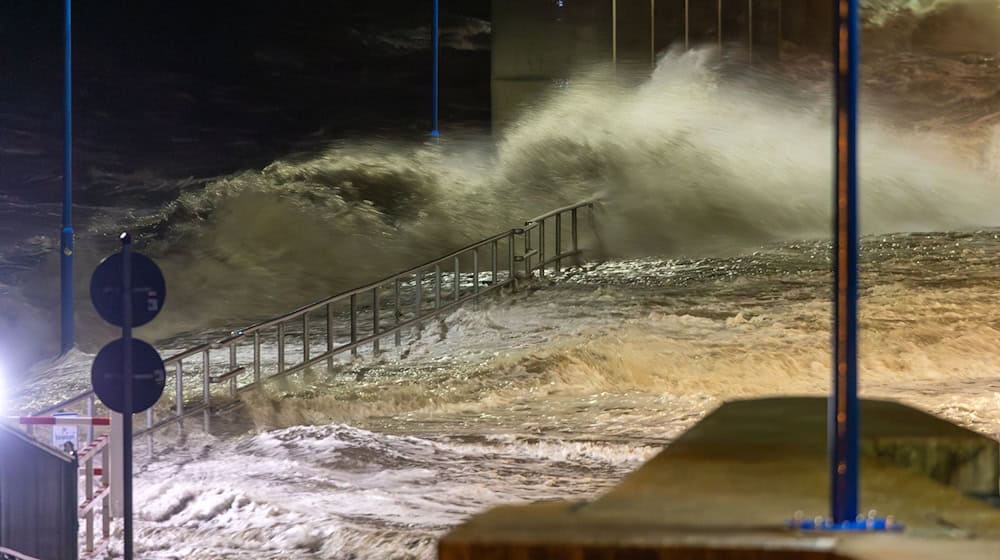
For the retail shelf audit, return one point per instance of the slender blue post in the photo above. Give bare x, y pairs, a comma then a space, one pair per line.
436, 48
844, 414
127, 376
66, 239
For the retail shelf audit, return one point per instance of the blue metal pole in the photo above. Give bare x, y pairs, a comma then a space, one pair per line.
844, 414
436, 48
66, 239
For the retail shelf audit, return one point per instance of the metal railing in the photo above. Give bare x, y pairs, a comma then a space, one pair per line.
538, 234
210, 377
99, 494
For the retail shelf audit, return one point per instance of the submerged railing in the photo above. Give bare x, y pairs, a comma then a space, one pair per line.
210, 377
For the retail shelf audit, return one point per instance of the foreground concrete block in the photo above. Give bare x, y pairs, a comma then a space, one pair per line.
726, 488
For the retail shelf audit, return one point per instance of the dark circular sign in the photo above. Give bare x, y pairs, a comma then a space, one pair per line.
149, 290
148, 376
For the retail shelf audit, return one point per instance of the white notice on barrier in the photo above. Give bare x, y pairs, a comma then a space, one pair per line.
64, 435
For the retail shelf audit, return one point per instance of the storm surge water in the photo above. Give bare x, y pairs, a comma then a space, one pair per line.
690, 163
711, 281
695, 161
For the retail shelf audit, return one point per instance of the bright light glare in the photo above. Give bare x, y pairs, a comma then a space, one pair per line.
3, 392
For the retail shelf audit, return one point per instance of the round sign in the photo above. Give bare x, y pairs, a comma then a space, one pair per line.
148, 376
149, 290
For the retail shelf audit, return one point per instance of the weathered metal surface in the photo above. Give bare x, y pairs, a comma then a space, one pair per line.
38, 498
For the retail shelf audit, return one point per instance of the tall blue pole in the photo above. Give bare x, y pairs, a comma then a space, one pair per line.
843, 409
66, 239
436, 49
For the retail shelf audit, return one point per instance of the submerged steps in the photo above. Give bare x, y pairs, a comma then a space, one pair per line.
726, 488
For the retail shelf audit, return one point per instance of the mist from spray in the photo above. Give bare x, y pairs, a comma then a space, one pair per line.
694, 161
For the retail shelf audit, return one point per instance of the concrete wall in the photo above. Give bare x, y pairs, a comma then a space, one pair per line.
538, 44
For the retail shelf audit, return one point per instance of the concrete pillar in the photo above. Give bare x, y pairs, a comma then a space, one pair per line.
808, 24
635, 41
537, 45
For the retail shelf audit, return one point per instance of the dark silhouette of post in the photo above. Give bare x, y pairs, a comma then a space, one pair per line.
127, 376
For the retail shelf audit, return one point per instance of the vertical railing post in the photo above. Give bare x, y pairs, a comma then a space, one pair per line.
106, 483
437, 286
281, 347
330, 342
475, 272
558, 243
256, 357
232, 366
541, 248
206, 386
90, 414
511, 276
652, 32
418, 298
719, 23
527, 252
574, 227
88, 489
495, 248
375, 320
305, 337
354, 324
179, 388
614, 32
687, 24
396, 311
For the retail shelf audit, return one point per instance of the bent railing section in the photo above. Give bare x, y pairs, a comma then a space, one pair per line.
210, 377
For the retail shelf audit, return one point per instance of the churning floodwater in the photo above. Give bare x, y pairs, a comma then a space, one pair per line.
710, 280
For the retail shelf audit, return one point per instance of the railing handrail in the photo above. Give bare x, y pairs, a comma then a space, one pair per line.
236, 334
534, 226
589, 203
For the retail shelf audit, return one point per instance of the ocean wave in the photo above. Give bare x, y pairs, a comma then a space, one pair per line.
949, 25
691, 163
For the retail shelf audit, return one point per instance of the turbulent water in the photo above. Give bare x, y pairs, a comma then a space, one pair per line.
714, 284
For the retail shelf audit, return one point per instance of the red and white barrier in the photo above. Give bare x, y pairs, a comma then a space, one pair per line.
61, 420
100, 469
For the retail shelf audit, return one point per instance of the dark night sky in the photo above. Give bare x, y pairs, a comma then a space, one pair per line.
207, 87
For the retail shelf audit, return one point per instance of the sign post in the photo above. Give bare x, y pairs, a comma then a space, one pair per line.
128, 375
